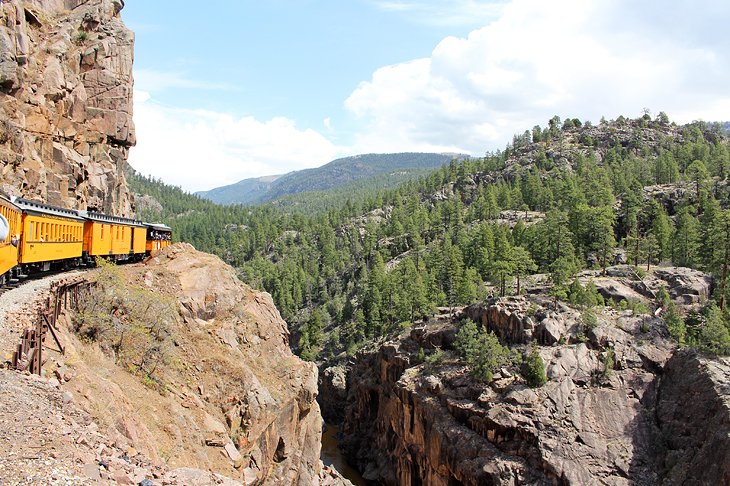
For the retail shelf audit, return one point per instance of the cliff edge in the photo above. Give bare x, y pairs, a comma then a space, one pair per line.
174, 371
66, 102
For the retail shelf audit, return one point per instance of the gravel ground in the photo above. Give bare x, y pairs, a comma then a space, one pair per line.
40, 429
19, 306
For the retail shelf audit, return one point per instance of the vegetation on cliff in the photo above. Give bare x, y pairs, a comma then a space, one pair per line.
558, 199
131, 323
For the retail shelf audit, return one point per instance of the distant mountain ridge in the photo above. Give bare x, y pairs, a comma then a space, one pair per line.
336, 173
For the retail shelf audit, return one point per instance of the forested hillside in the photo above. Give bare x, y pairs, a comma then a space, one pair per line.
561, 198
367, 172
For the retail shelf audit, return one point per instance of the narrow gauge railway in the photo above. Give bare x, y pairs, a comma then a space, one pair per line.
37, 238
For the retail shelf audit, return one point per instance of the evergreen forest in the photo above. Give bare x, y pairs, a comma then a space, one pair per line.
559, 199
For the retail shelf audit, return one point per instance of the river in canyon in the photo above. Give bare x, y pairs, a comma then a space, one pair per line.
332, 456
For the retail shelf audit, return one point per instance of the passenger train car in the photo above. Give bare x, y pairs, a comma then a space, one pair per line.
112, 236
37, 237
10, 221
158, 237
48, 236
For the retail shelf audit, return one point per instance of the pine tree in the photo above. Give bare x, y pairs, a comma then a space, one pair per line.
685, 239
534, 368
522, 263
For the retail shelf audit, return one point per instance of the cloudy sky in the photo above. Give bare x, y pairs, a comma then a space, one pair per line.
226, 90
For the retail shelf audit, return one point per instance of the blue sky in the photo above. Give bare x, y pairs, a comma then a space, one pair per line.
229, 90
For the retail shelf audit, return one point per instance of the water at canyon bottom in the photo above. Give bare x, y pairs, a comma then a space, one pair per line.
332, 456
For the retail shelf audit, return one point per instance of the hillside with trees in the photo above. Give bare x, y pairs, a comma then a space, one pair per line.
559, 199
365, 172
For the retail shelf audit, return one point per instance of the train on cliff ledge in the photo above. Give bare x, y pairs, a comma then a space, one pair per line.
36, 237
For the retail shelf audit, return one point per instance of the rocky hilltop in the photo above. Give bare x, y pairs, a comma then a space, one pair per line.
66, 112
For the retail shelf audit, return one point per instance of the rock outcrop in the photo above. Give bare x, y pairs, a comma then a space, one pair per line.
229, 397
614, 409
519, 320
66, 111
694, 415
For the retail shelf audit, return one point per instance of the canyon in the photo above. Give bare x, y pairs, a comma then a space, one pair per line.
622, 404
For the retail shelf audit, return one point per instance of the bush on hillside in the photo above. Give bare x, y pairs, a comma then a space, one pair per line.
481, 351
129, 323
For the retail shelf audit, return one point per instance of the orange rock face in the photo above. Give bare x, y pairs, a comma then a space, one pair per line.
66, 103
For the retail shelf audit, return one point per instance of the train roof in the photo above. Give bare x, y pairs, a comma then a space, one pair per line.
34, 207
7, 201
158, 226
105, 218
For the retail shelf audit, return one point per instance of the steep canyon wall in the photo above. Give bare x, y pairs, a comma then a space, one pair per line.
66, 103
653, 416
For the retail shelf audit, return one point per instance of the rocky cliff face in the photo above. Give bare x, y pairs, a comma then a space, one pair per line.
692, 412
66, 111
616, 408
229, 396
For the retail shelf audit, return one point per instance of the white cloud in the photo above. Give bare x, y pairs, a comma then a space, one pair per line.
199, 149
538, 59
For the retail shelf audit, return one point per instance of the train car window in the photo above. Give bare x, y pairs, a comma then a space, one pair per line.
31, 231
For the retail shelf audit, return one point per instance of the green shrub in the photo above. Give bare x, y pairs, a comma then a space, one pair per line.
130, 323
81, 37
589, 319
481, 351
609, 362
533, 368
434, 360
662, 297
714, 337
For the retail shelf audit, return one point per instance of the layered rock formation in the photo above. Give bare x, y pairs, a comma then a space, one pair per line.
230, 397
66, 111
614, 411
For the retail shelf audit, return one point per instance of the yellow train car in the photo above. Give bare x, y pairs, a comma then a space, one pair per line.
112, 237
51, 236
10, 233
139, 241
159, 236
